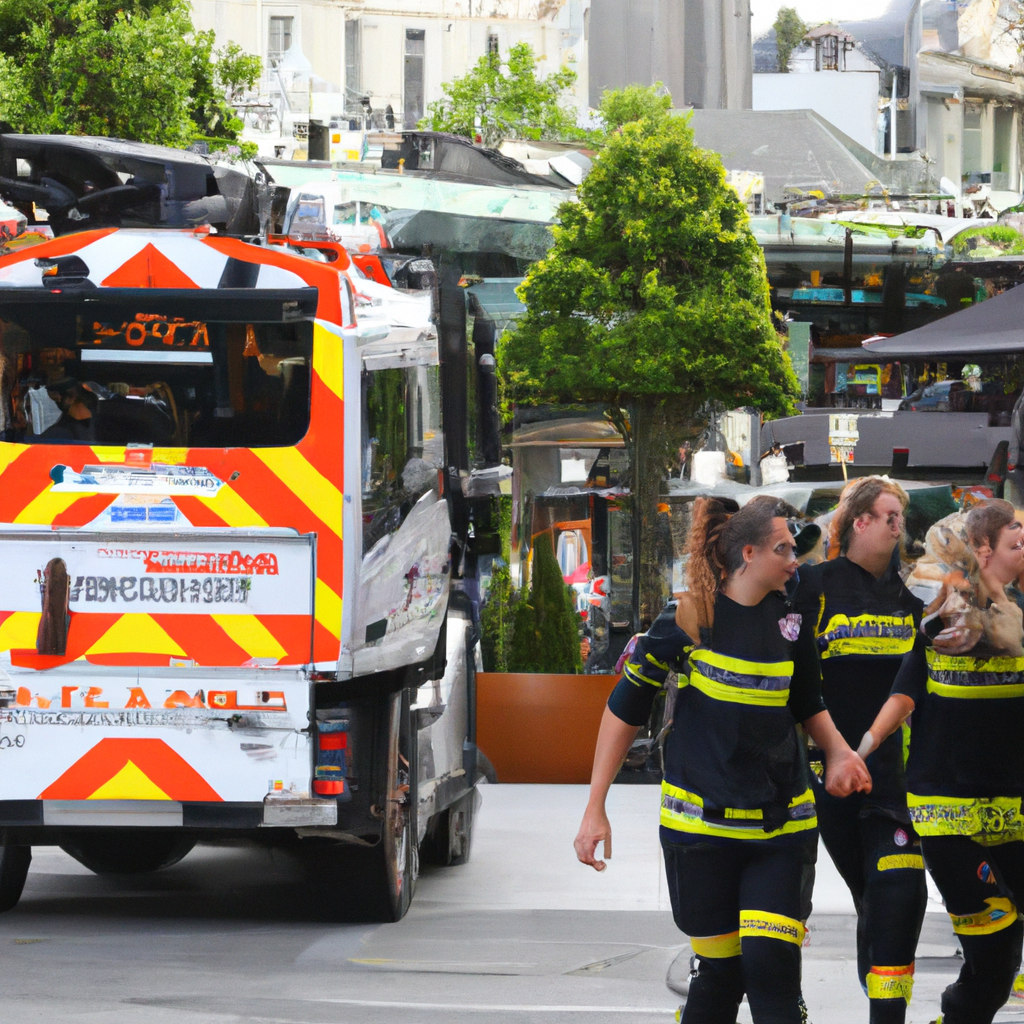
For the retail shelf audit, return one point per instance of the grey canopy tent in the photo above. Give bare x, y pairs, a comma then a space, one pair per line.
992, 327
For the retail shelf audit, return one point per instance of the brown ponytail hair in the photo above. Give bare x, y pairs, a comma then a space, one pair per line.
986, 520
858, 499
719, 532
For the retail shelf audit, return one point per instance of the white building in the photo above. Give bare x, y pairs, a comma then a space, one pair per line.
400, 52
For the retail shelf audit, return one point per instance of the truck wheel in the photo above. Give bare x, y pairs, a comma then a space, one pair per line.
450, 832
109, 852
395, 862
14, 862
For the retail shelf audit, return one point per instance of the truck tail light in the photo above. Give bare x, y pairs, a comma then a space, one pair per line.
330, 776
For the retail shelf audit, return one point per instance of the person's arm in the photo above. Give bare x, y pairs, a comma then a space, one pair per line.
613, 742
846, 772
908, 688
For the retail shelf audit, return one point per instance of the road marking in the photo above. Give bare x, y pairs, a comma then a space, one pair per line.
387, 1004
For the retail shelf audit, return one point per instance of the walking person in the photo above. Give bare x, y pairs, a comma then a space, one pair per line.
865, 621
965, 772
738, 826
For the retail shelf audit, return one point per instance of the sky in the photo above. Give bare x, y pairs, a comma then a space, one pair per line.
814, 12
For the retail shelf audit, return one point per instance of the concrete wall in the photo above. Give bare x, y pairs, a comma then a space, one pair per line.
700, 49
849, 99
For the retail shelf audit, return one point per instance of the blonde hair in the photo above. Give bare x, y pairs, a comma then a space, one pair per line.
858, 498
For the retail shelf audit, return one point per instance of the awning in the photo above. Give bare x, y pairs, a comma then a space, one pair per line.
992, 327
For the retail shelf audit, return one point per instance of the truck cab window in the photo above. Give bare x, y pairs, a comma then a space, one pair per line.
125, 377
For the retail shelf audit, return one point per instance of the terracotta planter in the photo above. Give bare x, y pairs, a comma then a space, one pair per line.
543, 727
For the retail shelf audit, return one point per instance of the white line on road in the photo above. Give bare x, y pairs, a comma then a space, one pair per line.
493, 1007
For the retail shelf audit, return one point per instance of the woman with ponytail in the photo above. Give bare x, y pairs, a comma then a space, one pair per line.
738, 825
865, 621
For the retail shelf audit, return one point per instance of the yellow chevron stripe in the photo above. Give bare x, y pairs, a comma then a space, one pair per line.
136, 632
251, 635
328, 608
18, 631
9, 452
44, 508
328, 359
307, 483
233, 509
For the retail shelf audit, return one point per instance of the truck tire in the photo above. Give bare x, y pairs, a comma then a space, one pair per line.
450, 833
14, 862
121, 852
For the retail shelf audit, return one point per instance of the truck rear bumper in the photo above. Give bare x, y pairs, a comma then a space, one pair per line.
166, 814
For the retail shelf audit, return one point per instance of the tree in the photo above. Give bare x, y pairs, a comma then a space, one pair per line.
654, 301
789, 34
133, 70
633, 103
499, 100
545, 637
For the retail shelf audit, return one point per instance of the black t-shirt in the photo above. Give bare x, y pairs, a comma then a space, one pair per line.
863, 628
732, 755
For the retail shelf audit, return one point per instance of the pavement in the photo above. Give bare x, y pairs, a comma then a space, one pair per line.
521, 934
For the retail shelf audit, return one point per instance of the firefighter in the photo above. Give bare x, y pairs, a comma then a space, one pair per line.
865, 621
738, 826
965, 772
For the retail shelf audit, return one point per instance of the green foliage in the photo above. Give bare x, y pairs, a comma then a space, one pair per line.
545, 637
654, 287
508, 99
999, 236
634, 103
134, 71
497, 620
789, 33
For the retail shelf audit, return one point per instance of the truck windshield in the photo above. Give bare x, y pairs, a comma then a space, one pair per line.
126, 377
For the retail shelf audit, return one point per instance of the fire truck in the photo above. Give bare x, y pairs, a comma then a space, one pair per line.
232, 537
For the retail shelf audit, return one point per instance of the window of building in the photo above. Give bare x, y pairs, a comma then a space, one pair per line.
353, 55
492, 44
972, 138
827, 53
279, 39
415, 53
1003, 141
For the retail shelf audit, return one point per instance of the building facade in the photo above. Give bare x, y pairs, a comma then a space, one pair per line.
396, 54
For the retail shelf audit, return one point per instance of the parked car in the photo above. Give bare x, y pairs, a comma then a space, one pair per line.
934, 397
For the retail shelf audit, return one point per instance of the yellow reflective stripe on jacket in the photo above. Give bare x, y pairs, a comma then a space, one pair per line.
763, 684
967, 678
683, 811
966, 816
891, 635
636, 676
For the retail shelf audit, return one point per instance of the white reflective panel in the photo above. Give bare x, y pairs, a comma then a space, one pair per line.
122, 356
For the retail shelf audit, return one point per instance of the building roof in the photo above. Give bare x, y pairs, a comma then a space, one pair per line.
989, 328
790, 147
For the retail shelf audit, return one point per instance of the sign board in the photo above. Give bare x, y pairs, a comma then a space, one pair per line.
843, 436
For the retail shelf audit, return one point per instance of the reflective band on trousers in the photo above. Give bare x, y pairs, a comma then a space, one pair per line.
683, 811
716, 947
759, 924
975, 678
898, 861
738, 681
891, 982
891, 635
1001, 913
966, 816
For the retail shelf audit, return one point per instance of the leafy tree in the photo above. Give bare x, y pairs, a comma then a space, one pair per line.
789, 34
634, 102
653, 300
506, 99
130, 70
497, 621
545, 637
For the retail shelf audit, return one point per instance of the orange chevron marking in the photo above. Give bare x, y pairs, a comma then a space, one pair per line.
160, 766
149, 268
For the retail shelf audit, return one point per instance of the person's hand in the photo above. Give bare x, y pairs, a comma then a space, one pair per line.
595, 828
847, 773
956, 640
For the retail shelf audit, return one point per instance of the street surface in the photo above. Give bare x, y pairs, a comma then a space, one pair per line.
523, 934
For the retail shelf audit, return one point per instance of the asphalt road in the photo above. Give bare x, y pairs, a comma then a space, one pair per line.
521, 934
